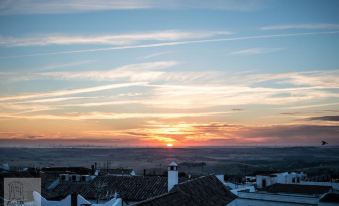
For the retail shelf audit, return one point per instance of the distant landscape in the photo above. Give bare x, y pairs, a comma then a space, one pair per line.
229, 161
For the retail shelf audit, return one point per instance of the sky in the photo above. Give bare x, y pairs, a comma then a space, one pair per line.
151, 73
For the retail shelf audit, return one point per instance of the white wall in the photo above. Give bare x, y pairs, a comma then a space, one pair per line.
282, 178
287, 178
269, 180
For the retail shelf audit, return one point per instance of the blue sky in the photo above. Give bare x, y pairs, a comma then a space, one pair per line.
149, 73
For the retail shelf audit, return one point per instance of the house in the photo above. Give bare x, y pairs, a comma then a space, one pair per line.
202, 191
264, 180
144, 190
282, 195
236, 186
72, 200
131, 188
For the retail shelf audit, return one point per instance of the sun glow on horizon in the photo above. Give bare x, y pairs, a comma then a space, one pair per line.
169, 145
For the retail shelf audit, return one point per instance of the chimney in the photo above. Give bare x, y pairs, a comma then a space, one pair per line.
172, 178
74, 199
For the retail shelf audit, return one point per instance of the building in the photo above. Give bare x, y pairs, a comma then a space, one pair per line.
97, 189
283, 195
264, 180
72, 200
236, 187
202, 191
144, 190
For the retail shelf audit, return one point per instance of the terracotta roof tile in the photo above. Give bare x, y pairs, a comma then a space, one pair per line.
201, 191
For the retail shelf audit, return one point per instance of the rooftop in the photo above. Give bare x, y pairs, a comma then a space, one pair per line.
201, 191
297, 189
173, 164
330, 197
130, 188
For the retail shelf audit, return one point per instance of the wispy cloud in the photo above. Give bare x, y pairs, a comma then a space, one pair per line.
221, 133
176, 89
132, 72
50, 100
69, 6
326, 118
70, 92
157, 54
310, 78
300, 26
112, 116
117, 39
255, 51
308, 106
175, 43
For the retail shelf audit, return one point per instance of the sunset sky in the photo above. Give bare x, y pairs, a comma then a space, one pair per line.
150, 73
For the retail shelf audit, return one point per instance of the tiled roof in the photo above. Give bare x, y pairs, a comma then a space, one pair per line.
130, 188
201, 191
297, 189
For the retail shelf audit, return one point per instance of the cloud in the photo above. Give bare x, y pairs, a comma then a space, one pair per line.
156, 54
117, 39
300, 26
326, 118
294, 134
70, 92
158, 132
223, 134
312, 106
186, 96
46, 141
258, 50
132, 72
174, 43
173, 89
49, 100
107, 115
310, 78
10, 7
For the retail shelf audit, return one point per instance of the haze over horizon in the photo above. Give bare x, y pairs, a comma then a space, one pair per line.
157, 73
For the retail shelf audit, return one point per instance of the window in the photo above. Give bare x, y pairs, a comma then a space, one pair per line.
263, 183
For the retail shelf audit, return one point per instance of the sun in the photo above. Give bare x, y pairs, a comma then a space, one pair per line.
169, 145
